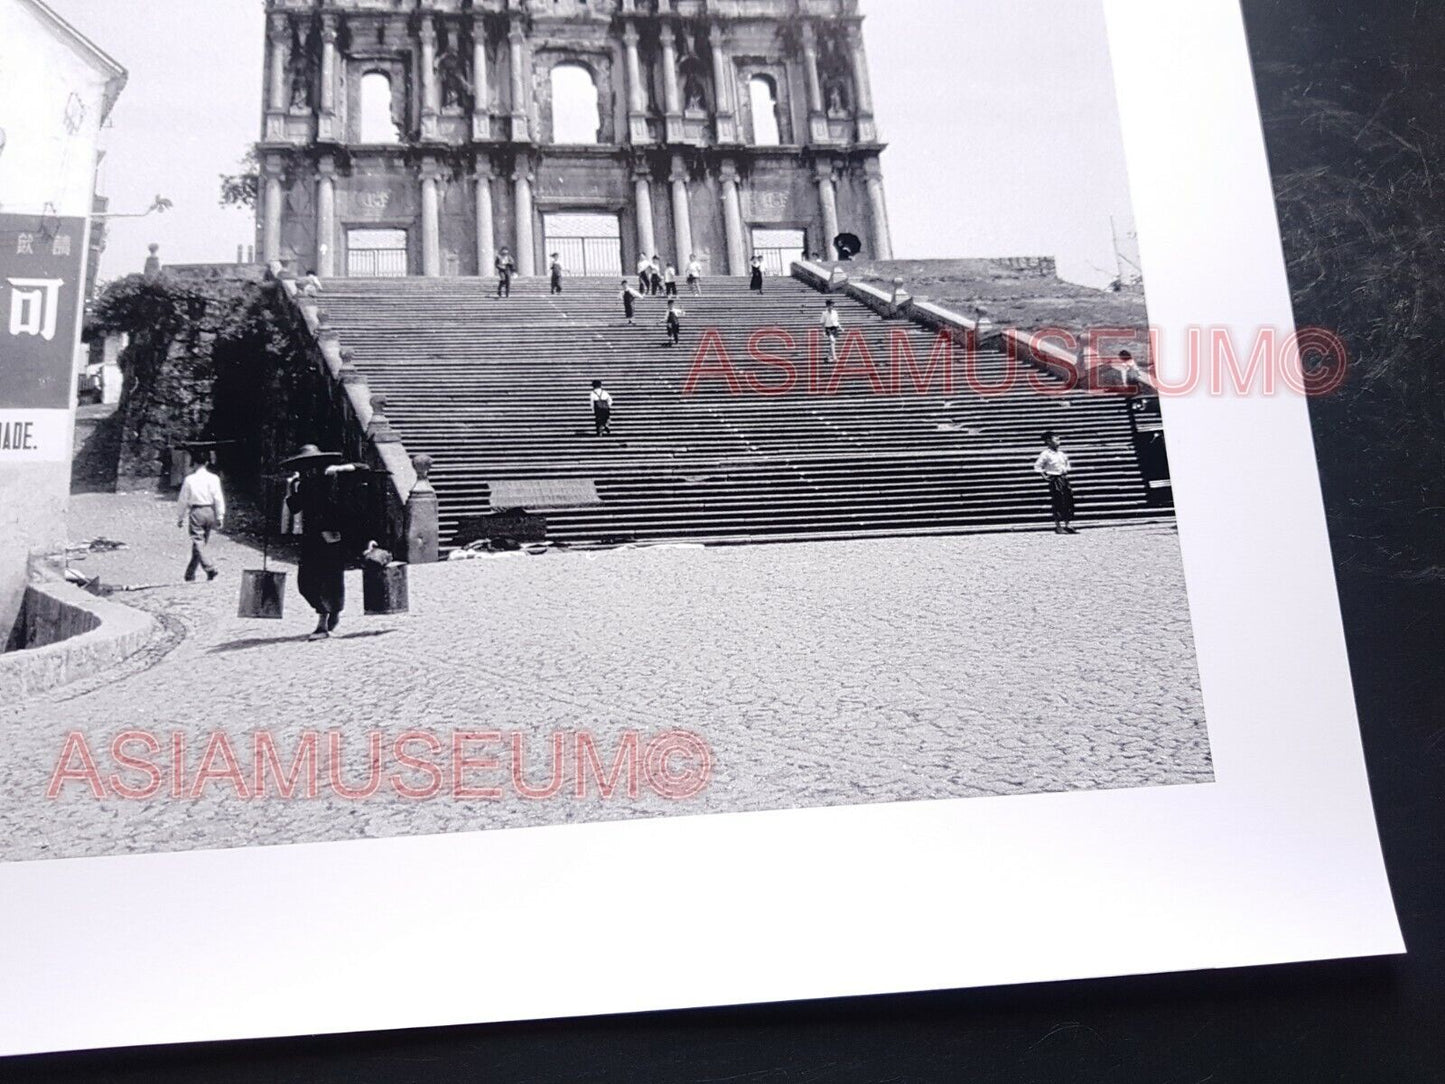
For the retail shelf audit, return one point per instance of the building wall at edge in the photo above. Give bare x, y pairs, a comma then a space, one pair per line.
43, 163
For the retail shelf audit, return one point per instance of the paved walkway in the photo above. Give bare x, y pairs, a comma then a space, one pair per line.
823, 674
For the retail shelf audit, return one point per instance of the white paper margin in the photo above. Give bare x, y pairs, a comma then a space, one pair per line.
1278, 861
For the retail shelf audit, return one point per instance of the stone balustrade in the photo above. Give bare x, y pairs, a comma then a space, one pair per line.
408, 518
1081, 368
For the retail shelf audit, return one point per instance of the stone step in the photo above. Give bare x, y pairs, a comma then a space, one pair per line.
497, 388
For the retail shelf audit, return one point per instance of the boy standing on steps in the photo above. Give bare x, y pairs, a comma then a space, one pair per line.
601, 409
1053, 465
505, 266
644, 274
694, 276
556, 273
674, 322
629, 299
832, 327
669, 280
654, 275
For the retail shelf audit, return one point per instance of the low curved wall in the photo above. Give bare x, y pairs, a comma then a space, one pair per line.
80, 635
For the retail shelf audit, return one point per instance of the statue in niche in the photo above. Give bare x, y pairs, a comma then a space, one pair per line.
299, 70
837, 98
694, 97
450, 70
688, 49
451, 75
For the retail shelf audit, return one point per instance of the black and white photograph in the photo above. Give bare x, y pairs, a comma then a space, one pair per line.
827, 525
425, 419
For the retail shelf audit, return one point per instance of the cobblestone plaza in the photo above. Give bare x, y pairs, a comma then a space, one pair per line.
817, 674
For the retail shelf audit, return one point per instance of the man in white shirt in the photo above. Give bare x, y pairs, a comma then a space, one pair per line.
1053, 465
201, 509
694, 275
601, 408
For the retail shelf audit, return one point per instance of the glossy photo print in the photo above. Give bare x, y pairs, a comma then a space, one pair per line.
522, 466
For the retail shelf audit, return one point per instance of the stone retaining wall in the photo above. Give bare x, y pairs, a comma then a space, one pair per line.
69, 635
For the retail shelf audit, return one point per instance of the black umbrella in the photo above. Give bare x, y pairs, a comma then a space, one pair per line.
848, 245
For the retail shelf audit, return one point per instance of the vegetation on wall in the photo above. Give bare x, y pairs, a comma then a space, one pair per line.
212, 357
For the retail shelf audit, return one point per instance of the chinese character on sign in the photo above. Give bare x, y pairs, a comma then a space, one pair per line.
25, 244
61, 245
34, 306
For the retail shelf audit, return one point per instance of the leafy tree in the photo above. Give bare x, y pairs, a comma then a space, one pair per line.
239, 189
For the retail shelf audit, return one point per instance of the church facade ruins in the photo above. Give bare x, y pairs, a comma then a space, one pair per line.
419, 137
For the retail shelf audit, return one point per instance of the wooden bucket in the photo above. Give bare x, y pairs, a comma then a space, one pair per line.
263, 594
384, 588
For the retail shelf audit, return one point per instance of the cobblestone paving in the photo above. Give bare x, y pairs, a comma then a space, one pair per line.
824, 674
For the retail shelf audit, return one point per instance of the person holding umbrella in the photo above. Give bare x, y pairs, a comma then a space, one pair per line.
321, 575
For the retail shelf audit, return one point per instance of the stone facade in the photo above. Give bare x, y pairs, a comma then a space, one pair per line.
420, 136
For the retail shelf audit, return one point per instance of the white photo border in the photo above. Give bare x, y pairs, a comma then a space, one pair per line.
1277, 861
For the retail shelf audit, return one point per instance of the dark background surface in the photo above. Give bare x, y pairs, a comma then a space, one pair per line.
1353, 96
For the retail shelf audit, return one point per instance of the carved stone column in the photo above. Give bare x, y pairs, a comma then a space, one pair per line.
681, 212
481, 84
326, 217
862, 87
430, 92
723, 89
522, 203
671, 95
642, 183
277, 32
817, 119
733, 218
828, 201
272, 197
486, 236
878, 208
431, 225
636, 92
326, 122
517, 43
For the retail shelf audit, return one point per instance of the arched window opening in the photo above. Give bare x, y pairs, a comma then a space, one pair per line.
576, 116
763, 97
377, 123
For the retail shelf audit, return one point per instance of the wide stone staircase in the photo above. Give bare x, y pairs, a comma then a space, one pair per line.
496, 390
